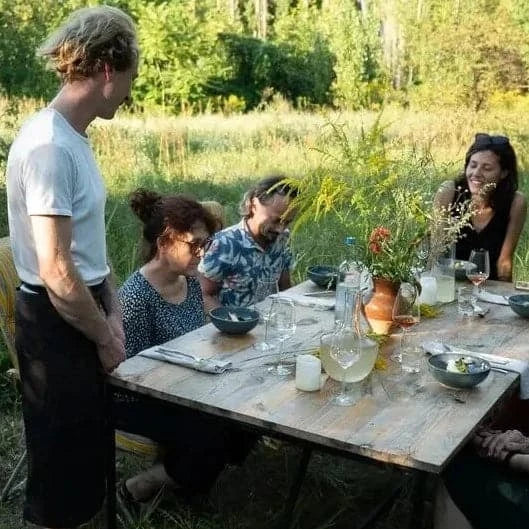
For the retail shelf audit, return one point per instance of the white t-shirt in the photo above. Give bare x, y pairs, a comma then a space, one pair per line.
51, 170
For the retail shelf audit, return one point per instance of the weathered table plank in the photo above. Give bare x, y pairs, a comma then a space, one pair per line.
408, 420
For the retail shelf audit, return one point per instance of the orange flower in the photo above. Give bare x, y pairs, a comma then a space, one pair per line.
375, 247
378, 236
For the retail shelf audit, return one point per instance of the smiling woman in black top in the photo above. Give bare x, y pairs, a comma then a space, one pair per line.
490, 181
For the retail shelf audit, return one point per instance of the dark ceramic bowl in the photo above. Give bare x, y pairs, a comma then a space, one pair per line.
246, 319
438, 368
520, 304
461, 268
322, 275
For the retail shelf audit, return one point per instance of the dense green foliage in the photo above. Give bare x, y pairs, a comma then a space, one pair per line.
233, 55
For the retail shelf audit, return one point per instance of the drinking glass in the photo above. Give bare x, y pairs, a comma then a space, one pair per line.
281, 326
465, 301
346, 353
265, 288
423, 253
406, 314
479, 274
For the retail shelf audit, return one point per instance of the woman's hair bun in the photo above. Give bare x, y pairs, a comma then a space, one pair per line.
144, 203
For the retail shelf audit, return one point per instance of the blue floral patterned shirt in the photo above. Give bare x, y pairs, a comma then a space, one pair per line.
237, 261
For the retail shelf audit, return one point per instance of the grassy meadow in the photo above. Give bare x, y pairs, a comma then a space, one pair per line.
215, 157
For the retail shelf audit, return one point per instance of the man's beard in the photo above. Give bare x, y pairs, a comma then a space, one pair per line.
268, 235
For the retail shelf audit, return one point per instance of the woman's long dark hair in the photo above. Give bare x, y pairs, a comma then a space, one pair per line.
501, 198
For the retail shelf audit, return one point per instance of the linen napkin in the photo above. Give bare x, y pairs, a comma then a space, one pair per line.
509, 364
316, 302
488, 297
206, 365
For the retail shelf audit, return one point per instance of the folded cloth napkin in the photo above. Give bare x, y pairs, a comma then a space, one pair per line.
509, 364
316, 302
207, 365
492, 298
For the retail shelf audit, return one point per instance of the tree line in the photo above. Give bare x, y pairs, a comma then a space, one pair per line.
235, 55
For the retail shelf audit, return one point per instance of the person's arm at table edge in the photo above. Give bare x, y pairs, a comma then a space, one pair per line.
518, 214
113, 306
284, 280
210, 293
520, 463
68, 294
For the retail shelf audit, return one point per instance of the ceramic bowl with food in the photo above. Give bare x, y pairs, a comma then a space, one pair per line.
458, 371
324, 276
519, 303
461, 268
234, 320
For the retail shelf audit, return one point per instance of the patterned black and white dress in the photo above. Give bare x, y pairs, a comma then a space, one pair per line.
148, 319
196, 447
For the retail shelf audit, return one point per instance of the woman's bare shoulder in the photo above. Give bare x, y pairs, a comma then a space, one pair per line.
445, 193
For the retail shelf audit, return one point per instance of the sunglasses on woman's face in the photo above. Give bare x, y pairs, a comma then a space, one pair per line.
486, 139
196, 247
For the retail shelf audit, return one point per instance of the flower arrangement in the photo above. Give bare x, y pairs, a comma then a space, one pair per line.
383, 195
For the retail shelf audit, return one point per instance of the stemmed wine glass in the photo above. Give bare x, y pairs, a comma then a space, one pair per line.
281, 326
480, 272
347, 353
406, 314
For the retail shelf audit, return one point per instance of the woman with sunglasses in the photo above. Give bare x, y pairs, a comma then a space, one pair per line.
161, 301
490, 181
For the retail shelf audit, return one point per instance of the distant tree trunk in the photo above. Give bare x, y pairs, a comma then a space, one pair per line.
233, 9
261, 14
363, 7
419, 10
392, 42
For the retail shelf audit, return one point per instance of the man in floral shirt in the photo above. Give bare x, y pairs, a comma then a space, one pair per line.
252, 250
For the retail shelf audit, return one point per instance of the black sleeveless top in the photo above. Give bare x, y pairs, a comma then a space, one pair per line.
490, 238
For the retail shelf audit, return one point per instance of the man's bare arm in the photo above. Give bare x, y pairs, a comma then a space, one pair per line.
210, 293
68, 294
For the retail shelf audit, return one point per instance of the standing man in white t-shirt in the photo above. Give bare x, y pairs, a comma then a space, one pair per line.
68, 321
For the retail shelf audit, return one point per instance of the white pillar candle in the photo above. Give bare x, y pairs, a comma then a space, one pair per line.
308, 373
429, 290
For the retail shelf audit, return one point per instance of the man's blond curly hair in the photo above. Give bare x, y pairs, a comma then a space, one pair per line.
89, 39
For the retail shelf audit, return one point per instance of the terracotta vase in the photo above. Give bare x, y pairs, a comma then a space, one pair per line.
379, 308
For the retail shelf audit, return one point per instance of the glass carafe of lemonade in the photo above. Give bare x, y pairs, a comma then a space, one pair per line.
353, 331
444, 272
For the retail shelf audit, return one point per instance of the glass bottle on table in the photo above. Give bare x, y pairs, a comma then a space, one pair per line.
349, 279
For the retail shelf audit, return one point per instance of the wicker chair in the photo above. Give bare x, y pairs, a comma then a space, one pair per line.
217, 210
8, 285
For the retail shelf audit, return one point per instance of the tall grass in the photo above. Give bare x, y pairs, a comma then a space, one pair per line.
216, 157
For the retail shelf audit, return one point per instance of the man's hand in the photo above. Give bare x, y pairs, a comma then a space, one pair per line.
115, 322
496, 444
112, 353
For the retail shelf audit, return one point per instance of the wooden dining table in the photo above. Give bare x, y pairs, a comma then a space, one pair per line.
406, 420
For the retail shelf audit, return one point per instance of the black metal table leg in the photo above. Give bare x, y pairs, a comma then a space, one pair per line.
110, 461
418, 499
387, 501
295, 488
